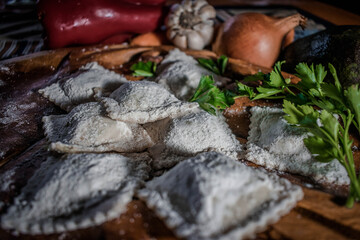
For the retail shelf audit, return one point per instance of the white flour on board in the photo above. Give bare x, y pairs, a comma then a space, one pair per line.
14, 113
6, 180
212, 196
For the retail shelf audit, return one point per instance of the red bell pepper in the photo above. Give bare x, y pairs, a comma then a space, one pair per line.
74, 22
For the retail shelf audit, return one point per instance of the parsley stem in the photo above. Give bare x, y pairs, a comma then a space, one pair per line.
291, 92
356, 124
274, 97
349, 161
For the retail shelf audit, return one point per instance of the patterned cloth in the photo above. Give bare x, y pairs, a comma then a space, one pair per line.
21, 33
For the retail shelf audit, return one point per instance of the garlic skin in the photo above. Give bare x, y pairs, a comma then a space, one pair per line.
190, 24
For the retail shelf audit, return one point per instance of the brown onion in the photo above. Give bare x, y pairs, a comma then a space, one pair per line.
255, 37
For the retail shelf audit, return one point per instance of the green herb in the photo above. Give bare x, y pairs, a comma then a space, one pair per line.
274, 85
218, 67
311, 78
210, 97
144, 69
328, 139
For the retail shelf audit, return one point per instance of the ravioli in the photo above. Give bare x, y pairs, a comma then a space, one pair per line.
183, 137
274, 144
144, 101
76, 191
174, 56
82, 86
212, 196
87, 129
181, 74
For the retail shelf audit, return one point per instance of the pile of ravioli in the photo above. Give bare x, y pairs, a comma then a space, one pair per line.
122, 139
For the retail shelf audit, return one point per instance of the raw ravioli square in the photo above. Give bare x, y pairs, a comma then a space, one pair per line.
82, 86
181, 74
183, 137
275, 144
212, 196
76, 191
87, 129
144, 101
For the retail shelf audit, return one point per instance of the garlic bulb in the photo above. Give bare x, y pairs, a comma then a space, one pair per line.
190, 24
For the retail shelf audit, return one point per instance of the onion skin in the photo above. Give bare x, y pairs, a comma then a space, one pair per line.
255, 37
149, 39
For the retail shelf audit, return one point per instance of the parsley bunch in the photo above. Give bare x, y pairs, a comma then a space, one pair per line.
329, 139
325, 110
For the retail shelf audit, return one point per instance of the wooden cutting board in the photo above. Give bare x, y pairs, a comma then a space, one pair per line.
320, 215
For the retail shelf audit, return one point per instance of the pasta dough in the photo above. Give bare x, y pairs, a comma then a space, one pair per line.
76, 191
82, 86
144, 101
181, 74
274, 144
212, 196
183, 137
87, 129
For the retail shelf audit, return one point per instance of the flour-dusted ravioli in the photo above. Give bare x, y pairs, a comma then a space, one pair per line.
87, 129
212, 196
76, 191
181, 74
174, 56
274, 144
82, 86
183, 137
144, 101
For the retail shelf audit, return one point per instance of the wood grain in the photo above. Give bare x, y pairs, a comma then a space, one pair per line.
319, 9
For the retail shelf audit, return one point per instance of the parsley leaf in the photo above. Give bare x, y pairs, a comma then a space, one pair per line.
352, 95
218, 67
322, 150
311, 79
245, 90
324, 143
211, 98
222, 63
255, 77
274, 85
302, 115
276, 79
336, 79
144, 69
267, 93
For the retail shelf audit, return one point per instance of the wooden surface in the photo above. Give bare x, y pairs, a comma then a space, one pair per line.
320, 215
321, 10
